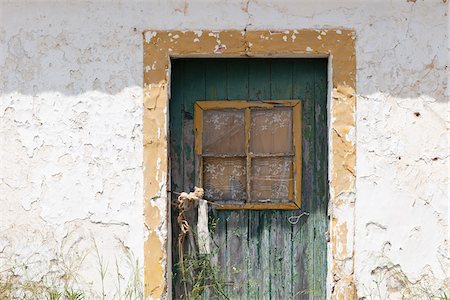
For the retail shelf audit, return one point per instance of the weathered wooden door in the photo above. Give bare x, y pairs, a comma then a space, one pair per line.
259, 254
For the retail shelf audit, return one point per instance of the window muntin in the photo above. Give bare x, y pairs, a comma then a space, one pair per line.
248, 154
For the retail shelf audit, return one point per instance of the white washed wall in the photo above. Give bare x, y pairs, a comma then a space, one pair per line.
71, 131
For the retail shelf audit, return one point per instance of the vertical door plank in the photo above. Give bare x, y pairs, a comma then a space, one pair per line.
194, 90
176, 158
281, 72
216, 89
237, 89
281, 89
254, 259
302, 231
321, 182
237, 79
215, 79
259, 89
259, 79
176, 129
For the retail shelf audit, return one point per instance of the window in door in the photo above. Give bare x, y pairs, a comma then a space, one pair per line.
249, 153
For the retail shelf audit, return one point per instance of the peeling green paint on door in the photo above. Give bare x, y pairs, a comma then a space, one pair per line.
259, 253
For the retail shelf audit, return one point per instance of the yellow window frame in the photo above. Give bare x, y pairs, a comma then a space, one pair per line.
201, 106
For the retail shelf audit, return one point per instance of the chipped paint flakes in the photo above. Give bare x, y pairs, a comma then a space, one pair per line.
219, 48
149, 35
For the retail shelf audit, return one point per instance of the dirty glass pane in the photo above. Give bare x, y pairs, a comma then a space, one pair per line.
224, 132
224, 179
271, 131
271, 178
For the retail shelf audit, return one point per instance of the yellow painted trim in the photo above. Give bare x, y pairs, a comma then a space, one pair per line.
242, 104
338, 45
297, 143
247, 150
198, 136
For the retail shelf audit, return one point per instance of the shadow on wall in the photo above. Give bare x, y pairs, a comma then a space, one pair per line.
72, 48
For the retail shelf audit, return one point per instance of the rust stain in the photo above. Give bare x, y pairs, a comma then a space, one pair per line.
159, 46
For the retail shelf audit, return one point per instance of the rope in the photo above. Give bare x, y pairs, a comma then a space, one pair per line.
184, 203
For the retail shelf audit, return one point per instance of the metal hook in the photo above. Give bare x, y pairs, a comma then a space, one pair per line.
295, 219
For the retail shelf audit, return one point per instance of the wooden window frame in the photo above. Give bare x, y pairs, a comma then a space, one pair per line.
296, 105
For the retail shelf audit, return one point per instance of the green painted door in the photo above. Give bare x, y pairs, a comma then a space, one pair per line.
255, 254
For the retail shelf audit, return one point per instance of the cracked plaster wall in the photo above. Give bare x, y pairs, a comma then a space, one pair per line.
71, 129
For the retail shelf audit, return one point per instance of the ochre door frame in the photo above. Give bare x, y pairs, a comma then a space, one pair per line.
339, 46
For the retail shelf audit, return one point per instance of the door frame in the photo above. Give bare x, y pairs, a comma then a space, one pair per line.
338, 45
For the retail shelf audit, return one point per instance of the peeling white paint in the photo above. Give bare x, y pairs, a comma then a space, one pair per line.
149, 35
71, 128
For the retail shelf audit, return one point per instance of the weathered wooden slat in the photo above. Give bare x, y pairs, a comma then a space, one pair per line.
259, 89
236, 257
194, 90
176, 129
259, 79
176, 150
281, 74
237, 89
216, 89
237, 79
254, 258
215, 79
303, 81
321, 182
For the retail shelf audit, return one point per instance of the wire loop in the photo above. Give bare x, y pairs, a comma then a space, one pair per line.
295, 219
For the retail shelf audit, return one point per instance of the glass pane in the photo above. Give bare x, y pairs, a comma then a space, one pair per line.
271, 178
225, 179
271, 131
224, 132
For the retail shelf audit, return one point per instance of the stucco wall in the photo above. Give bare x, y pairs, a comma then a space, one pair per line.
71, 133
